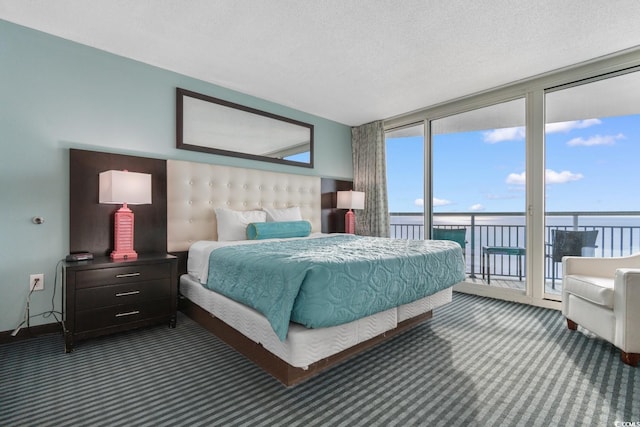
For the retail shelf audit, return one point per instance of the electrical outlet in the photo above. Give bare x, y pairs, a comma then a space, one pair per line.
36, 282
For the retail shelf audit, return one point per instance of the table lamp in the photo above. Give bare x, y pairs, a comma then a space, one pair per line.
350, 200
124, 187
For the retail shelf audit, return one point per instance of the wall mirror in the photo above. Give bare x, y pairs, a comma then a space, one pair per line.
212, 125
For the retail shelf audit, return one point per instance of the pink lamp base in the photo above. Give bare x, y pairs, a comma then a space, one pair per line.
123, 235
124, 255
350, 222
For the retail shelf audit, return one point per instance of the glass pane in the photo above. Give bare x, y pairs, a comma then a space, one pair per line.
405, 181
479, 187
591, 147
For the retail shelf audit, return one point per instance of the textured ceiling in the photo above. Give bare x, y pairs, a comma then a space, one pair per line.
352, 61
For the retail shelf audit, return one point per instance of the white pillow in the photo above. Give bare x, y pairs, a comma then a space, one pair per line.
286, 214
232, 225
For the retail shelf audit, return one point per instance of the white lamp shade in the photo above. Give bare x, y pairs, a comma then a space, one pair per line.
120, 187
350, 200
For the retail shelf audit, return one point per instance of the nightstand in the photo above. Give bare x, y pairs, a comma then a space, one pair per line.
103, 296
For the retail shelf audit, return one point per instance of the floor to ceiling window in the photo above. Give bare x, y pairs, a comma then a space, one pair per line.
515, 168
478, 177
405, 181
592, 144
475, 189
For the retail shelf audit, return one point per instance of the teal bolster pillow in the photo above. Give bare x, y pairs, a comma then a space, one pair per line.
278, 230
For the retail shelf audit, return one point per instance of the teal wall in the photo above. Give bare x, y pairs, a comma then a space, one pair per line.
56, 95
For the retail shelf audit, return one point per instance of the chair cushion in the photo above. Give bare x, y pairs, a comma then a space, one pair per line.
572, 242
598, 290
454, 234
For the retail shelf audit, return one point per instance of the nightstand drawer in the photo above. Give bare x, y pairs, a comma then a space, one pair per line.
120, 314
123, 274
126, 293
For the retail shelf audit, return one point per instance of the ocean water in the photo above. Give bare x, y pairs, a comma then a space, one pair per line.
617, 235
495, 219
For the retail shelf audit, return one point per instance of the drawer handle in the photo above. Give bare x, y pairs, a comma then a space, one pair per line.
128, 313
120, 276
126, 294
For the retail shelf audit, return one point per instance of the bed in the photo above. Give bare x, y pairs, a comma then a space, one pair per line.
195, 191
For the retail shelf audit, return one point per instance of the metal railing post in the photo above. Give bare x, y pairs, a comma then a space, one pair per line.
473, 246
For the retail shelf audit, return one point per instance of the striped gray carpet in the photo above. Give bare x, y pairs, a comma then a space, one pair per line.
478, 362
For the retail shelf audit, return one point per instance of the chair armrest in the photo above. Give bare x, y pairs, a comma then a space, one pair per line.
599, 267
625, 306
626, 277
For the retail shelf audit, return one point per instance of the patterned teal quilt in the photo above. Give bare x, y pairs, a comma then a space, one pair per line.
332, 280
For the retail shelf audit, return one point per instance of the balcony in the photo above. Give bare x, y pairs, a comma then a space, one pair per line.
618, 235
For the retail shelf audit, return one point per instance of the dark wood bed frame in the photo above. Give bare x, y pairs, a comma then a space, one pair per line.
278, 368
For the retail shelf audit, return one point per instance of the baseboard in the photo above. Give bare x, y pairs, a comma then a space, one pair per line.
32, 332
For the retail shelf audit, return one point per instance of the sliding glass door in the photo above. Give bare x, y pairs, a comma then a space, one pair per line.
592, 146
478, 184
465, 183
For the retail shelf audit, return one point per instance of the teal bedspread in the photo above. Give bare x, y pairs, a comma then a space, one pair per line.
329, 281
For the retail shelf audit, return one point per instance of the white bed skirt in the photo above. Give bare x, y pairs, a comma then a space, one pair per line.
304, 346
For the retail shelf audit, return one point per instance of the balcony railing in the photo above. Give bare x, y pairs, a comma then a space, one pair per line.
618, 234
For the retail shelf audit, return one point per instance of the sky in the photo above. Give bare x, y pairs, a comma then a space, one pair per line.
591, 165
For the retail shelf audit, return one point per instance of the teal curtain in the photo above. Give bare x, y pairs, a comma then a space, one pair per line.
370, 176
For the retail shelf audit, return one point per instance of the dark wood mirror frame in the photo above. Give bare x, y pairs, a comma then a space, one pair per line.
181, 122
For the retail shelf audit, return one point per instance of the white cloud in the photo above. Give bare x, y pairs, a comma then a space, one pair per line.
441, 202
436, 202
518, 133
504, 134
516, 178
595, 140
477, 207
553, 177
550, 177
570, 125
492, 196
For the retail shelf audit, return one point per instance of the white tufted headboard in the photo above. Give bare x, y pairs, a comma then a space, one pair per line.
194, 190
